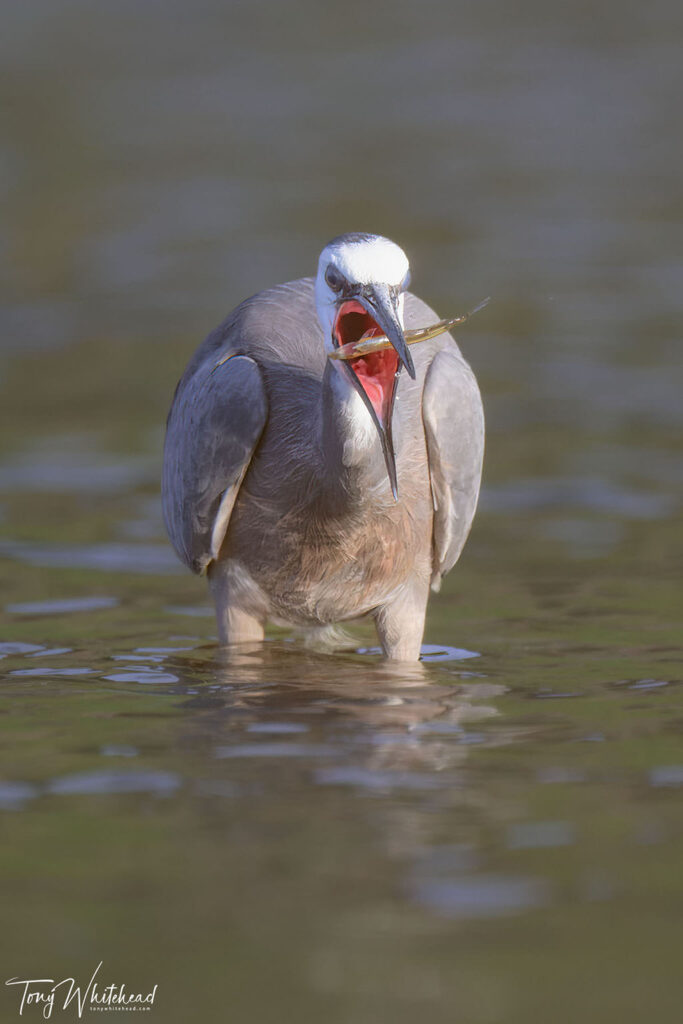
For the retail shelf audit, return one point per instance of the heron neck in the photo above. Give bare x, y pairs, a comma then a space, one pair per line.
351, 447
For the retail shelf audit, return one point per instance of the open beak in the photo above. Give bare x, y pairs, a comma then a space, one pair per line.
375, 376
382, 305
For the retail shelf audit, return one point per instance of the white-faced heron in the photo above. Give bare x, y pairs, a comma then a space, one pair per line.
312, 489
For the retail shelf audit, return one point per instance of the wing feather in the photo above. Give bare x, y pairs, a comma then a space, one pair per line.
214, 426
454, 427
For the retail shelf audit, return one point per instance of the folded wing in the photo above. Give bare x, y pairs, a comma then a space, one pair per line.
214, 426
454, 427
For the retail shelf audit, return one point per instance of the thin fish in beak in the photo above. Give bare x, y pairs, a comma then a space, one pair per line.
377, 342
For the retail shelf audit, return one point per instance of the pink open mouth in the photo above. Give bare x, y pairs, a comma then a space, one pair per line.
376, 370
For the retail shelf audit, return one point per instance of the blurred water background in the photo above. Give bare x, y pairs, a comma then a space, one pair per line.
495, 836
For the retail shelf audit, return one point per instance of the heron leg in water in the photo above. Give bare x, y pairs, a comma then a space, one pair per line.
400, 621
235, 624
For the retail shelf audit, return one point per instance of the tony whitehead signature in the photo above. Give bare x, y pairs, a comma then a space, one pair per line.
45, 993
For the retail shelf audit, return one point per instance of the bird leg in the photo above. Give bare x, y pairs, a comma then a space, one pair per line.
235, 624
400, 621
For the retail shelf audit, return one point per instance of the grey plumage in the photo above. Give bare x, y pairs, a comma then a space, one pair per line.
276, 494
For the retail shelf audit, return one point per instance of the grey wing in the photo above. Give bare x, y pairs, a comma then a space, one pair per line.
213, 428
454, 426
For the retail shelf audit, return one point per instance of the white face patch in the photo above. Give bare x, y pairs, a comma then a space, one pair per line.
373, 259
366, 259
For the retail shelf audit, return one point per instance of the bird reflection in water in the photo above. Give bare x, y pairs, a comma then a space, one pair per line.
368, 715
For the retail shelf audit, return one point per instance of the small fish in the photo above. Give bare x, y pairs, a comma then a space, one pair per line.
366, 344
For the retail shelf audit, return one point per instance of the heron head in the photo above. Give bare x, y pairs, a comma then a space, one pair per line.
359, 292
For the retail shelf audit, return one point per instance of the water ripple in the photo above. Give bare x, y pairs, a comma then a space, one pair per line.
63, 606
18, 648
142, 674
432, 652
155, 559
13, 795
275, 750
48, 670
667, 775
481, 895
105, 782
371, 779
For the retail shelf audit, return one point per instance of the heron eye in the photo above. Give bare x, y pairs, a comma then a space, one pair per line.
334, 278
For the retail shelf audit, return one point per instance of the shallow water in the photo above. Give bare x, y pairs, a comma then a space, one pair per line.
494, 834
